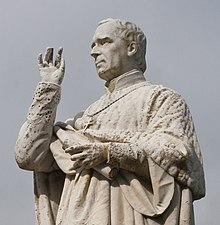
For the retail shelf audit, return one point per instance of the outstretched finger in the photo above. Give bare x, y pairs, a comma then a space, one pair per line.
48, 57
78, 156
60, 51
77, 148
58, 57
62, 65
40, 60
72, 150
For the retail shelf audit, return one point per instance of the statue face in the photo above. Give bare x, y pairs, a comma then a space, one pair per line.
109, 51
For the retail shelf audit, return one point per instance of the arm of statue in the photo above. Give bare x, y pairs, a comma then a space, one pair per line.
32, 146
171, 142
118, 155
165, 138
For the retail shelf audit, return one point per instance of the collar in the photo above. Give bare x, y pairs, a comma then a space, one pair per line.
125, 80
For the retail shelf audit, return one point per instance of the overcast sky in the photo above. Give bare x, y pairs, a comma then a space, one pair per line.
183, 54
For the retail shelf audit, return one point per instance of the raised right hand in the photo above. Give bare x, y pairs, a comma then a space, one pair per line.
49, 71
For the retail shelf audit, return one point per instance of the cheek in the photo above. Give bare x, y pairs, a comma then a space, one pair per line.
113, 57
116, 59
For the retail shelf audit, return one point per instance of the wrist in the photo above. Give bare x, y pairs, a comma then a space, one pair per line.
50, 81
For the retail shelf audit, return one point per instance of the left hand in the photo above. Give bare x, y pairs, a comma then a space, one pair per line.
88, 155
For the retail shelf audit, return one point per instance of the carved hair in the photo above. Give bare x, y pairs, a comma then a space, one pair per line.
130, 32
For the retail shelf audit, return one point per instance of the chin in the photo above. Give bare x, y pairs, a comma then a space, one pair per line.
107, 75
103, 74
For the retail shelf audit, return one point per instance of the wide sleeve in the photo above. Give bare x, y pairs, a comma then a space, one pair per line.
170, 140
32, 147
128, 156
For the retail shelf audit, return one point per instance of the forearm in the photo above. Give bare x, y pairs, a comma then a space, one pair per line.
129, 157
32, 147
122, 149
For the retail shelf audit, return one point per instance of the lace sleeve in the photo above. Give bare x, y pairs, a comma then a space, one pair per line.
128, 156
32, 146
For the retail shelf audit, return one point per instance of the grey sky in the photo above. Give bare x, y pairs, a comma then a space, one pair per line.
183, 53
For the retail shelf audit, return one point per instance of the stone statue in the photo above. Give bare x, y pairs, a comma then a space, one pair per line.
132, 157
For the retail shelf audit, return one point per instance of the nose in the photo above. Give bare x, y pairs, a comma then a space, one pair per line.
95, 52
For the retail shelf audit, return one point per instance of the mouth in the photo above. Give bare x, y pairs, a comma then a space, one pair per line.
99, 62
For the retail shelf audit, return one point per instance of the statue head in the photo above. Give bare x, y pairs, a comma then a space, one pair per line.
117, 47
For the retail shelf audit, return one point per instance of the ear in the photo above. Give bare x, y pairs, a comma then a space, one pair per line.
132, 48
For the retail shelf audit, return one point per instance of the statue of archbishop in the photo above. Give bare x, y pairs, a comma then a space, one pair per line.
132, 157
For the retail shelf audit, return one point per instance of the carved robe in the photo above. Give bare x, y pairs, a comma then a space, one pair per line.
153, 148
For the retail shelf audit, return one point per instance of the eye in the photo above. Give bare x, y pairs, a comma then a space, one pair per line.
105, 41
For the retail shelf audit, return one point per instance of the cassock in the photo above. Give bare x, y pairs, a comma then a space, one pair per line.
153, 172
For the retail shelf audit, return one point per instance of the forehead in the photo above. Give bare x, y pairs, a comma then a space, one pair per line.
108, 29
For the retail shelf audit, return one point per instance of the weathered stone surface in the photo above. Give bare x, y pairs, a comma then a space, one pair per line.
132, 157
